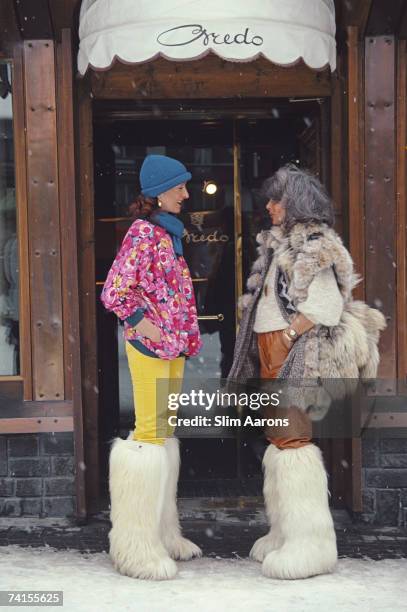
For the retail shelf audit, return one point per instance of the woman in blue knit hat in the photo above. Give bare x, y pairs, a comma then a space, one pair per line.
149, 287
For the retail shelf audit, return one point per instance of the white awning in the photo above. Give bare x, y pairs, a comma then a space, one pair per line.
137, 31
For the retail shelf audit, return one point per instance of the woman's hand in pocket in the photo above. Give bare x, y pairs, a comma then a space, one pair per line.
148, 329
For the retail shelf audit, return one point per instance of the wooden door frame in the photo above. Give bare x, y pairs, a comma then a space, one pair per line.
69, 237
86, 259
208, 78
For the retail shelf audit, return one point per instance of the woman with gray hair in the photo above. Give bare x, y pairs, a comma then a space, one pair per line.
300, 323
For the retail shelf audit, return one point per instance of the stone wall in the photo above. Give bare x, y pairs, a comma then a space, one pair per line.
37, 475
384, 479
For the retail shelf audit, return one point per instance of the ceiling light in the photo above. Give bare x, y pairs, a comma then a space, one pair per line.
210, 187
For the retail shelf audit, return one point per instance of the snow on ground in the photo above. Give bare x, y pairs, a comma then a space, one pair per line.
90, 584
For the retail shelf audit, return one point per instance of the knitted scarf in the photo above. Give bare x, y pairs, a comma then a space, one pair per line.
173, 226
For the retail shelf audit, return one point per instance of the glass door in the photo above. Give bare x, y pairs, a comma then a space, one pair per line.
229, 157
207, 149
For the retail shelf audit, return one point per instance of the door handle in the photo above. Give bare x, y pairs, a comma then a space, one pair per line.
218, 317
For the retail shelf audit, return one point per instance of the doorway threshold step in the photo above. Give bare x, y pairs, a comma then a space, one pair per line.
221, 487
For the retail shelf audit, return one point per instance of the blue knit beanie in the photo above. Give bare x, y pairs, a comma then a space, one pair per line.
160, 173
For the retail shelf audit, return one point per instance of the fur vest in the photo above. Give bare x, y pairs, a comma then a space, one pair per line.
348, 350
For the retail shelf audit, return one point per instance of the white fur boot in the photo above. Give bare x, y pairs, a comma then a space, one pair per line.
138, 472
273, 540
304, 517
177, 546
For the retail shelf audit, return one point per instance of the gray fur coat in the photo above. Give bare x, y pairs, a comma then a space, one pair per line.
348, 350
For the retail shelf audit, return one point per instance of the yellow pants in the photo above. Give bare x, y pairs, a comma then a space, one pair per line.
153, 380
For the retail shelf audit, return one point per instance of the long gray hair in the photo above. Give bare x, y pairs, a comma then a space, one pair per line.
303, 196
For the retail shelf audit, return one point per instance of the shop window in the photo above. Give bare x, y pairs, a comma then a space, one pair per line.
9, 269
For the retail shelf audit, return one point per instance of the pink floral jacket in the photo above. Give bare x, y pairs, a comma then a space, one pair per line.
147, 274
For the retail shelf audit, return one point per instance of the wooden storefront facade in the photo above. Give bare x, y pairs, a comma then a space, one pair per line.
360, 112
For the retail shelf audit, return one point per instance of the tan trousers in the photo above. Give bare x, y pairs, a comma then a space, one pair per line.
272, 353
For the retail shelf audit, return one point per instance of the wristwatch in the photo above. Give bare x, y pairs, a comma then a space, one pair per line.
291, 334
